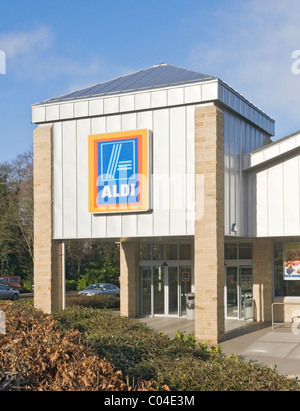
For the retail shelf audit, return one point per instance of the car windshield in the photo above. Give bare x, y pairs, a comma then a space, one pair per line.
95, 287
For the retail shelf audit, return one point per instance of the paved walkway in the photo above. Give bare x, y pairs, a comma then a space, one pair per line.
278, 348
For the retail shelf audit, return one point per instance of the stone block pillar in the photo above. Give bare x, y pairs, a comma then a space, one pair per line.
263, 278
209, 224
129, 259
47, 252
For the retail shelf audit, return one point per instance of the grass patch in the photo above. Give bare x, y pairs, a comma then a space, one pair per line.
184, 365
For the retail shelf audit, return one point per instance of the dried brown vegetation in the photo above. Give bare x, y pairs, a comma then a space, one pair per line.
48, 360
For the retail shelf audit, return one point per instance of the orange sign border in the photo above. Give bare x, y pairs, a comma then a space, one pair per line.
144, 195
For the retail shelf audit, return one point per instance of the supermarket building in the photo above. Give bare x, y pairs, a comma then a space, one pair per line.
180, 169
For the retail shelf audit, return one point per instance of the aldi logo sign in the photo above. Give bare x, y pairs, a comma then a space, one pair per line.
119, 172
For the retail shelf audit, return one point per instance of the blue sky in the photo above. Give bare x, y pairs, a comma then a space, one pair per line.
53, 47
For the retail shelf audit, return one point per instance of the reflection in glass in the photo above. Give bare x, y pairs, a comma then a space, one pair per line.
145, 282
173, 290
158, 252
185, 274
159, 290
232, 292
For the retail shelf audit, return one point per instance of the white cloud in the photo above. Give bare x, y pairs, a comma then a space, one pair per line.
17, 44
251, 50
35, 55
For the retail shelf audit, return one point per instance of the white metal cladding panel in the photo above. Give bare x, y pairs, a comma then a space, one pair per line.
291, 196
83, 217
187, 94
69, 179
262, 203
173, 154
58, 180
240, 138
278, 199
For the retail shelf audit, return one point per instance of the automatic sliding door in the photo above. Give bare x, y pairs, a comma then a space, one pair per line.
246, 285
173, 290
185, 278
232, 292
159, 290
145, 292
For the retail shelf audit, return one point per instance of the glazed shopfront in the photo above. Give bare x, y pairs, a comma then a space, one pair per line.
165, 278
177, 167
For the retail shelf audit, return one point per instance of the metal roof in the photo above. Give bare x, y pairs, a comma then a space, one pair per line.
158, 76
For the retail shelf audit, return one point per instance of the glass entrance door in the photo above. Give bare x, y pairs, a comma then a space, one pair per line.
145, 291
185, 278
173, 290
239, 288
159, 290
246, 285
163, 290
232, 306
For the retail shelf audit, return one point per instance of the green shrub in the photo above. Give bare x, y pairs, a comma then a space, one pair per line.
183, 363
97, 301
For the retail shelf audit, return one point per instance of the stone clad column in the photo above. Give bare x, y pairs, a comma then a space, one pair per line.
209, 224
47, 252
263, 278
129, 260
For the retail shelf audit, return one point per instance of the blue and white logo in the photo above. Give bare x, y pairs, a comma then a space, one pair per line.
118, 160
118, 172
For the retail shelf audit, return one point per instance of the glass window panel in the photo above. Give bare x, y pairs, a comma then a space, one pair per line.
171, 252
159, 290
282, 287
245, 251
173, 291
232, 292
158, 252
230, 251
145, 283
145, 252
185, 252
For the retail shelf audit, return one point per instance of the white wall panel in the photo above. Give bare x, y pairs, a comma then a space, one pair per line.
98, 126
38, 114
57, 181
175, 96
145, 220
96, 107
173, 161
159, 98
114, 123
52, 112
83, 215
262, 203
127, 103
81, 109
111, 105
275, 200
291, 194
193, 94
66, 111
129, 122
142, 101
278, 198
161, 169
209, 91
69, 180
190, 169
178, 171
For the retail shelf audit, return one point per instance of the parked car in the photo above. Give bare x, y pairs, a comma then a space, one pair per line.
101, 288
7, 293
